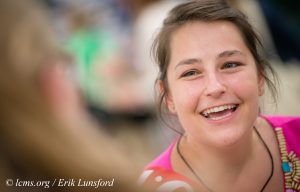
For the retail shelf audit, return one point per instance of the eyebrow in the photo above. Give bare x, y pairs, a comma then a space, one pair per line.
188, 62
227, 53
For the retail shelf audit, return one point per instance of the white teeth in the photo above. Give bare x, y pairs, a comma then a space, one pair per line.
218, 118
217, 109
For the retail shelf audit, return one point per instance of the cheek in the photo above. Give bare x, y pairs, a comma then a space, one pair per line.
186, 96
245, 85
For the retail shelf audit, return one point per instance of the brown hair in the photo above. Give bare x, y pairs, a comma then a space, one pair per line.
208, 11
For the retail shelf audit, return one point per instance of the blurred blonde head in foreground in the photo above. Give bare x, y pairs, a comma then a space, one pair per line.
45, 132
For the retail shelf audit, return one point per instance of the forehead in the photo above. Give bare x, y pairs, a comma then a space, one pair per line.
208, 28
206, 37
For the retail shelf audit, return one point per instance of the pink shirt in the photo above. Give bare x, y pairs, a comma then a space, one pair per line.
288, 127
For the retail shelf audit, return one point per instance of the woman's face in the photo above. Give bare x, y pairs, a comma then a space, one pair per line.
214, 86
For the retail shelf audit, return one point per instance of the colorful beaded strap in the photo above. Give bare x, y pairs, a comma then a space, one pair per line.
290, 164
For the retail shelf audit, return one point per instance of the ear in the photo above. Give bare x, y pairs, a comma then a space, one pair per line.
167, 98
261, 85
60, 92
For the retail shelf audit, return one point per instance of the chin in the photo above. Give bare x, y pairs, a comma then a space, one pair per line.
226, 138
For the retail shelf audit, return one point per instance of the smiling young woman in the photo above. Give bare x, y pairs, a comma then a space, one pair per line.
212, 76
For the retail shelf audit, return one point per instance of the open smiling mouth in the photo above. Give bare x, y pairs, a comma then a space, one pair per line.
219, 112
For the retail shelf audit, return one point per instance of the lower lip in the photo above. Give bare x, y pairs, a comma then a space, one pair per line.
224, 119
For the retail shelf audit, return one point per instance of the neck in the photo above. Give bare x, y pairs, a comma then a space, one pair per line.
231, 166
226, 159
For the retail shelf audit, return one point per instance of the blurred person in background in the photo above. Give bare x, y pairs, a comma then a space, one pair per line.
105, 74
45, 131
212, 74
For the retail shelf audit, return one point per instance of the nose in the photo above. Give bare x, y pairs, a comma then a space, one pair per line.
214, 86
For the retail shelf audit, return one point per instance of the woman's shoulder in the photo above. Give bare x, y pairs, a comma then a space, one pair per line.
283, 121
287, 128
288, 133
163, 160
160, 176
167, 180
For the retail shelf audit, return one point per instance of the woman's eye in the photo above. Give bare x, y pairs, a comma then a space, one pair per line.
230, 65
189, 73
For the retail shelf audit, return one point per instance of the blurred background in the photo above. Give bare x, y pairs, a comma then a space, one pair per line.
110, 41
